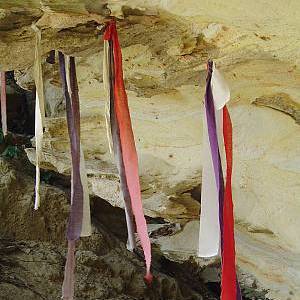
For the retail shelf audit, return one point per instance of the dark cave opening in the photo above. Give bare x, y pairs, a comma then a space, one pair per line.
20, 107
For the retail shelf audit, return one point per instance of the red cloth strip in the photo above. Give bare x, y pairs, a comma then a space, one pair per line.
3, 104
115, 133
229, 282
129, 154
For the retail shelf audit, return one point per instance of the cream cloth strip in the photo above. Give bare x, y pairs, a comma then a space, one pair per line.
86, 228
39, 110
221, 95
106, 85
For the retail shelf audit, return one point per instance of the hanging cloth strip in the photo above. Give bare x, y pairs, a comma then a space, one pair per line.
113, 133
39, 110
79, 221
216, 204
3, 104
209, 237
108, 88
120, 129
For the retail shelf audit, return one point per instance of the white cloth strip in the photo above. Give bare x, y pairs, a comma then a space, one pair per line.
221, 95
220, 89
39, 111
86, 228
209, 236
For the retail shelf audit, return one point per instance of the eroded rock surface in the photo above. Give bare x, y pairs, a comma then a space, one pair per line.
165, 47
32, 248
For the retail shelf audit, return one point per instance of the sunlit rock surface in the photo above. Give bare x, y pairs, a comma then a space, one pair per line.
165, 47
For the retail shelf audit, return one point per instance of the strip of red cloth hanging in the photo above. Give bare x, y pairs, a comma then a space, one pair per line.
230, 286
115, 134
3, 104
129, 153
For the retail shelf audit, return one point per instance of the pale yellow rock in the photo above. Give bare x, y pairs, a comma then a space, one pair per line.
166, 44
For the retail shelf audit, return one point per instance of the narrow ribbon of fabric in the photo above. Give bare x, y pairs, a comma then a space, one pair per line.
3, 104
214, 146
75, 220
115, 133
209, 235
85, 202
230, 289
39, 110
79, 223
221, 95
107, 89
129, 153
69, 278
230, 286
86, 228
72, 89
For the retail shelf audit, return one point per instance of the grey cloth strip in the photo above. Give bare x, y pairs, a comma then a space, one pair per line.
115, 133
69, 280
76, 213
73, 121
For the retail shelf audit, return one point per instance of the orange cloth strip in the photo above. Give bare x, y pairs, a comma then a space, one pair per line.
129, 153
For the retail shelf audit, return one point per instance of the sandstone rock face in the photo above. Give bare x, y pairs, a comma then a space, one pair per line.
32, 248
165, 47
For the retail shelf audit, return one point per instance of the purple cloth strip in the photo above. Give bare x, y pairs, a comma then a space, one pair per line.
115, 133
73, 121
68, 285
213, 139
238, 291
76, 214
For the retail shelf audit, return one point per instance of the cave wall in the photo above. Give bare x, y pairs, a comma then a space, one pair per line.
165, 47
